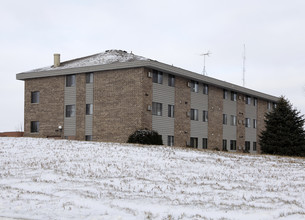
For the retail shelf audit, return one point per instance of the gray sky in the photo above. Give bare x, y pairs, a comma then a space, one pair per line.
174, 32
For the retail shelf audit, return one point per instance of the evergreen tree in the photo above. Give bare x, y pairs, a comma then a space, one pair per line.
284, 133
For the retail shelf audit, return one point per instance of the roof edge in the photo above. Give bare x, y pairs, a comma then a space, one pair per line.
149, 64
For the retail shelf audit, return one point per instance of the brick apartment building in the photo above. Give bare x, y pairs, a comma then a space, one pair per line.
107, 96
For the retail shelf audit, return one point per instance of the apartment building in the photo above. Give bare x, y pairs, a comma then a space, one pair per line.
107, 96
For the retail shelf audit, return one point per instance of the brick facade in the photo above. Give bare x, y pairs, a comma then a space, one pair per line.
182, 107
215, 118
240, 126
50, 109
80, 106
118, 102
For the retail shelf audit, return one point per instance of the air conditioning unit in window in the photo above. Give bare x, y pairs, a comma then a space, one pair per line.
149, 74
149, 108
189, 84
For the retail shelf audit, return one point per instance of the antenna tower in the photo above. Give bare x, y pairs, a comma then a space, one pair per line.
244, 66
204, 55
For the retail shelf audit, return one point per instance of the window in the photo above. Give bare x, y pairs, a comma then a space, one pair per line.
170, 140
70, 111
157, 77
194, 142
70, 80
194, 114
233, 96
224, 119
157, 108
255, 101
194, 86
205, 116
232, 145
35, 97
171, 80
233, 120
171, 111
89, 77
204, 143
225, 94
254, 146
268, 105
34, 126
224, 144
247, 146
205, 89
247, 122
89, 109
88, 137
254, 123
274, 105
248, 100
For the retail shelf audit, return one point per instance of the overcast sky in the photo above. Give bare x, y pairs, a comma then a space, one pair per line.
174, 32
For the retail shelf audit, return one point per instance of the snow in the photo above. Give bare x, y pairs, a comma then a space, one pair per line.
107, 57
61, 179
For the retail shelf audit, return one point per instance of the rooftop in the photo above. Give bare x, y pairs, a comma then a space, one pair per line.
119, 59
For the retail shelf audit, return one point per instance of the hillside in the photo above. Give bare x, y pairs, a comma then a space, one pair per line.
60, 179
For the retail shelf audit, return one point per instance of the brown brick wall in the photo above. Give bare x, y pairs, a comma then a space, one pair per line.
146, 116
182, 106
80, 106
50, 110
261, 111
215, 104
240, 127
118, 104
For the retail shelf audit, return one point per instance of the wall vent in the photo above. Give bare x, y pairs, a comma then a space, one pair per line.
149, 108
149, 74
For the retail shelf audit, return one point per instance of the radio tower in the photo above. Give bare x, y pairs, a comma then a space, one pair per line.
244, 66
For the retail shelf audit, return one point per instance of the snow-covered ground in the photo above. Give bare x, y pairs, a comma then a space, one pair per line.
59, 179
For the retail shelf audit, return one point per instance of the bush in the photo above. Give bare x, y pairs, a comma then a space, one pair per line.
145, 137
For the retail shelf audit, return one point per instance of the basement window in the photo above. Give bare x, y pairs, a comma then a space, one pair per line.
34, 126
88, 138
35, 97
232, 144
194, 142
170, 140
204, 143
247, 146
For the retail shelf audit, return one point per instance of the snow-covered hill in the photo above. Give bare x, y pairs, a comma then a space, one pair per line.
59, 179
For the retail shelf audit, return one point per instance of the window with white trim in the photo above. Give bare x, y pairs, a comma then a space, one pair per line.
157, 108
70, 111
194, 114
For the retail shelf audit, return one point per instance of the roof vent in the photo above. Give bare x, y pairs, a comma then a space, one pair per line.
56, 60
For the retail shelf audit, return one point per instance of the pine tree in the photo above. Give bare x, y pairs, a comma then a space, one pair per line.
284, 133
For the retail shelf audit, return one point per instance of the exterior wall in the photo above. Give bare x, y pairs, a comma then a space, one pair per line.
261, 111
240, 113
50, 109
80, 106
70, 123
89, 100
164, 94
199, 128
215, 130
146, 117
250, 133
182, 107
229, 131
118, 102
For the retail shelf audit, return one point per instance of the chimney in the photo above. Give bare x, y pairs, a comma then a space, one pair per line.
56, 60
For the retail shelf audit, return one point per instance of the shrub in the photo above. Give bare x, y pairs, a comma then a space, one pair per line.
145, 137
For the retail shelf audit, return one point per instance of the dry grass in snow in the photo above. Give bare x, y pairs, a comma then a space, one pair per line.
59, 179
